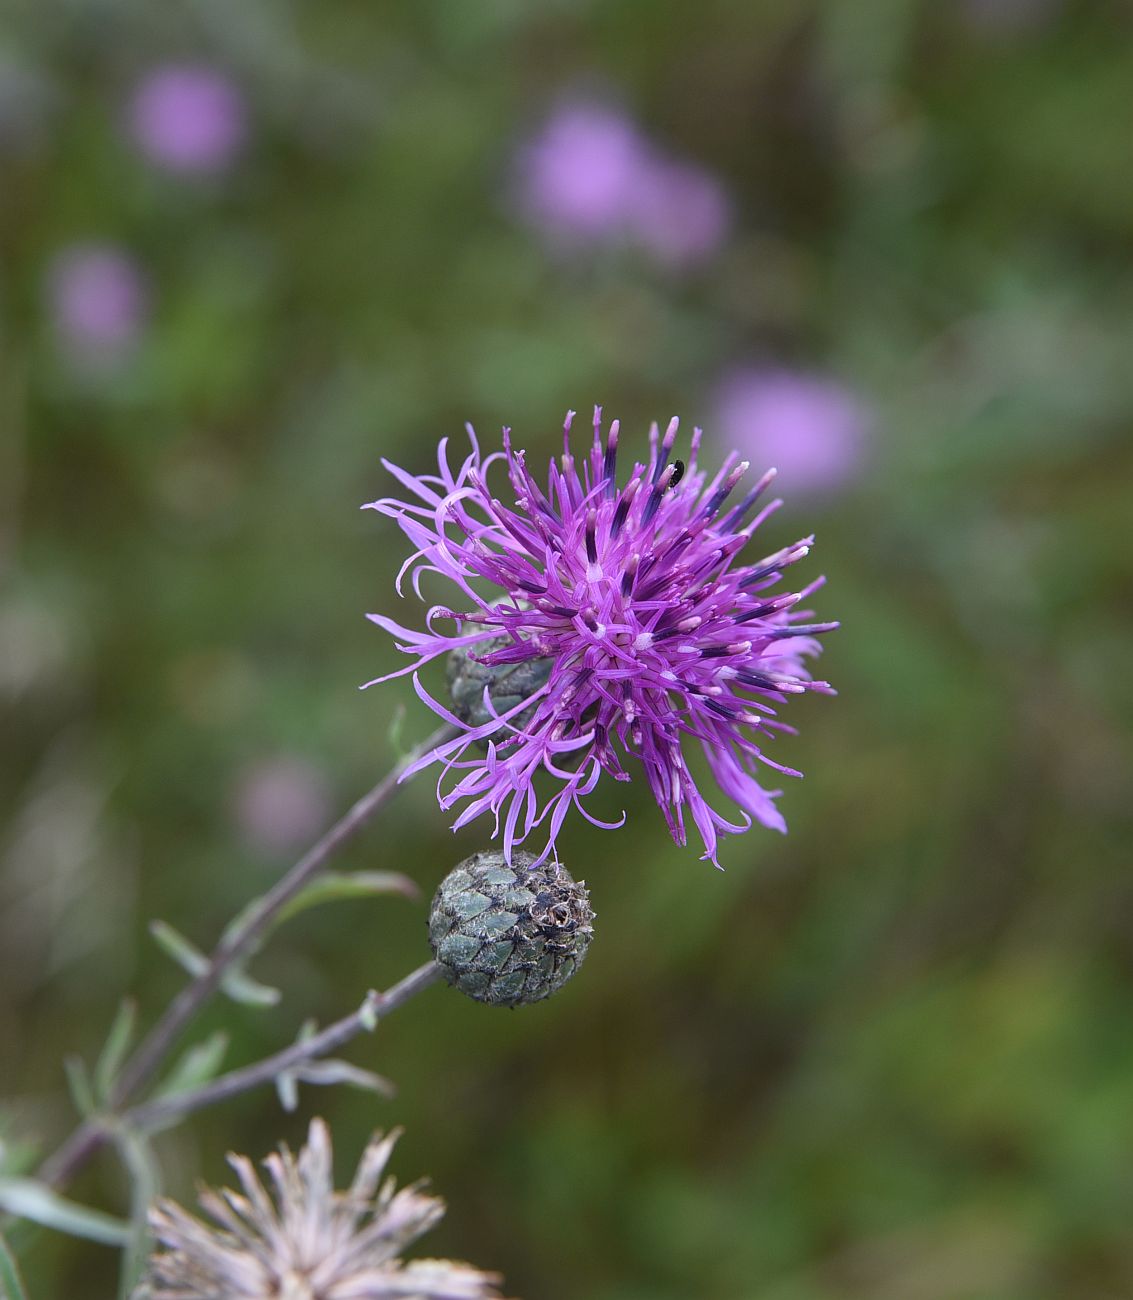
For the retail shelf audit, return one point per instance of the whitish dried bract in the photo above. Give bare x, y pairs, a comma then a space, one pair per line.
299, 1239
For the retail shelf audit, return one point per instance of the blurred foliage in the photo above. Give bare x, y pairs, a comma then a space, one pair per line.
889, 1056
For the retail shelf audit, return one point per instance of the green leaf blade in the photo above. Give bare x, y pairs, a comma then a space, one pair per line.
114, 1051
242, 988
334, 886
80, 1086
174, 944
145, 1187
199, 1065
27, 1198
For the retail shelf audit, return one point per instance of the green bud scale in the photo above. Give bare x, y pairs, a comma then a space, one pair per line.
508, 684
509, 935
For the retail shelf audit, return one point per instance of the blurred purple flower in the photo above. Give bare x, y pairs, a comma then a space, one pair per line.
655, 634
812, 428
188, 117
578, 177
281, 804
99, 300
682, 213
591, 177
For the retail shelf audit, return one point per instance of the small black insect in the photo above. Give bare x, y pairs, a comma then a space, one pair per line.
678, 473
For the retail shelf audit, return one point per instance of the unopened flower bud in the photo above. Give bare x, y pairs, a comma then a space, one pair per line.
509, 935
508, 684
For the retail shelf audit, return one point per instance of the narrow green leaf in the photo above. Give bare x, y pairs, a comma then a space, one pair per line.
327, 888
286, 1082
78, 1081
25, 1198
11, 1285
287, 1087
145, 1187
333, 885
242, 988
175, 945
114, 1051
18, 1156
238, 985
335, 1071
368, 1015
238, 921
197, 1066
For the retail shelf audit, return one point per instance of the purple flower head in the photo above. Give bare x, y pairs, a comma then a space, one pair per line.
578, 178
682, 213
98, 300
657, 633
591, 177
188, 118
811, 428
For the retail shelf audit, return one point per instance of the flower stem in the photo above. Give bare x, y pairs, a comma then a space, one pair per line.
375, 1006
238, 940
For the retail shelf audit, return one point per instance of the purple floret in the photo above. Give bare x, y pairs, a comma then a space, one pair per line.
657, 632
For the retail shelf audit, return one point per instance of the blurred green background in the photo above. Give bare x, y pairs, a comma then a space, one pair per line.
887, 1057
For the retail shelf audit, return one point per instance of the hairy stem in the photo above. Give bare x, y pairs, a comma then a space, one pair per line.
238, 940
375, 1007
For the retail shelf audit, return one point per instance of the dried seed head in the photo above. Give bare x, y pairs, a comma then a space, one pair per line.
509, 935
293, 1237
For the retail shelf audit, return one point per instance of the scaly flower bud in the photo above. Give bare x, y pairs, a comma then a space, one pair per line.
508, 684
509, 934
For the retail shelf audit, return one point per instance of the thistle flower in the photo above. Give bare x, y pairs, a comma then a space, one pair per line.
812, 427
590, 177
577, 179
188, 118
658, 637
304, 1240
98, 298
683, 213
